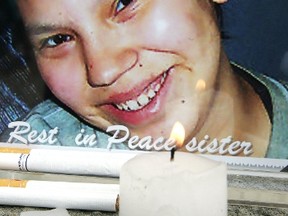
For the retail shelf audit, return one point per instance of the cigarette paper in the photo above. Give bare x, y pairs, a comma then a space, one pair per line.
68, 195
100, 163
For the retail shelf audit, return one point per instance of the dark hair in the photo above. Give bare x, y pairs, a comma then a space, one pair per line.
18, 69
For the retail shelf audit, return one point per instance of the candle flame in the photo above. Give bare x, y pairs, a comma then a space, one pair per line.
178, 134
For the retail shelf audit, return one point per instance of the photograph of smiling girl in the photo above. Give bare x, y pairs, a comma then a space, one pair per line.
144, 65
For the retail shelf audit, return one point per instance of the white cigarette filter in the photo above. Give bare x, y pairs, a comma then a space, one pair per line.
68, 195
100, 163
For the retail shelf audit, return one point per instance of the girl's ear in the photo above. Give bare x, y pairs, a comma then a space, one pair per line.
220, 1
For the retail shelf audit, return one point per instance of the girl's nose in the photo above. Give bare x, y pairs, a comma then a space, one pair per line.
106, 66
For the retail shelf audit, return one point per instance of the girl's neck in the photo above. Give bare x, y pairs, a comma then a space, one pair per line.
237, 111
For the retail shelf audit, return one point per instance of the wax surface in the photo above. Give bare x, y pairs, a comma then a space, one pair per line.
151, 185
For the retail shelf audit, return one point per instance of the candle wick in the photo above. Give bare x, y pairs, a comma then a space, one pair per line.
172, 153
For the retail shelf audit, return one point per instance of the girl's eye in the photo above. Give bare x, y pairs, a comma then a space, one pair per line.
56, 40
121, 4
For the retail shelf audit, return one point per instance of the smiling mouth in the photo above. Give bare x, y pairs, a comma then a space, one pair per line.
142, 100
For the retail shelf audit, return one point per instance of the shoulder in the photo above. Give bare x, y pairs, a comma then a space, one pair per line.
45, 119
284, 83
49, 112
68, 129
276, 89
275, 100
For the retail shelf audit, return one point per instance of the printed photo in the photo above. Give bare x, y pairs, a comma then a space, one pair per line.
122, 74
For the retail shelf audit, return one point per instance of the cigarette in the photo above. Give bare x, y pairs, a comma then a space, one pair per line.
69, 195
78, 162
13, 183
14, 150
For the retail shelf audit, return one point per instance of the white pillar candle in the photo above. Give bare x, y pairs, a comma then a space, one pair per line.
152, 185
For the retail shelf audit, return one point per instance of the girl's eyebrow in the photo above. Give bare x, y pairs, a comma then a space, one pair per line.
43, 28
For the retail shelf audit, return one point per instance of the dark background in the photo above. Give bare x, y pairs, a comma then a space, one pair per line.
255, 35
21, 87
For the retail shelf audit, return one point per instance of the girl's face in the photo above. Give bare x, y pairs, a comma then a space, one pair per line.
141, 63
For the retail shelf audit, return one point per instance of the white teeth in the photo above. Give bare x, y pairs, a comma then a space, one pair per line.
119, 106
151, 93
163, 78
125, 107
157, 88
142, 100
165, 75
132, 104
